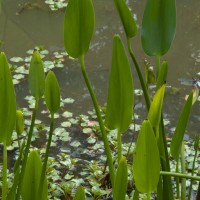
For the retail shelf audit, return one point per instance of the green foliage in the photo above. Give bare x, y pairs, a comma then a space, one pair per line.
32, 178
146, 167
158, 26
78, 27
36, 76
121, 180
162, 74
7, 102
180, 128
80, 194
19, 122
127, 18
52, 92
119, 110
154, 114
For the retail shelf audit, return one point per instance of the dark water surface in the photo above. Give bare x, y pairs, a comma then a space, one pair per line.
40, 26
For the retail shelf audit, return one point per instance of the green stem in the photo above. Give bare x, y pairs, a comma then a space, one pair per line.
27, 150
157, 66
101, 124
119, 145
193, 166
183, 170
177, 180
44, 166
180, 175
142, 82
4, 187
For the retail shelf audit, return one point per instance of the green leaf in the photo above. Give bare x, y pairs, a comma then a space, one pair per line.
52, 92
19, 122
36, 77
158, 26
180, 128
32, 178
155, 110
78, 27
7, 102
80, 194
162, 74
121, 180
127, 18
146, 160
119, 110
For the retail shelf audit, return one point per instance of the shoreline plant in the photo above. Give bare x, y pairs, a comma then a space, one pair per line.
150, 169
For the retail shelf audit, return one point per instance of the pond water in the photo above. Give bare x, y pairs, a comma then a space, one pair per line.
24, 28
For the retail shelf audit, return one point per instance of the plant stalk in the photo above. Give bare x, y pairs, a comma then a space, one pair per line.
27, 150
4, 184
183, 171
180, 175
44, 166
177, 180
142, 82
119, 145
101, 124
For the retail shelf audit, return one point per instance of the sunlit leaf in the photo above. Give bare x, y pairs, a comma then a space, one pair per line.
80, 194
52, 93
121, 180
146, 160
154, 114
36, 76
119, 110
78, 27
19, 122
7, 102
180, 128
127, 18
158, 26
32, 178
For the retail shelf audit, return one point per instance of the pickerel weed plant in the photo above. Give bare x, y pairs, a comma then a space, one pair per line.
151, 165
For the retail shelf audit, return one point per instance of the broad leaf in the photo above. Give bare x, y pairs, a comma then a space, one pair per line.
155, 110
127, 18
32, 178
146, 160
158, 26
180, 128
121, 180
52, 92
78, 27
80, 194
36, 77
7, 102
120, 93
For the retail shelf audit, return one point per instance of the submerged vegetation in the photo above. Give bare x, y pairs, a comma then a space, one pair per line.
101, 165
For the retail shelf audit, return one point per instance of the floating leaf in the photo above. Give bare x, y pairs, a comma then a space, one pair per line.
119, 110
7, 102
180, 128
158, 26
78, 27
146, 160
